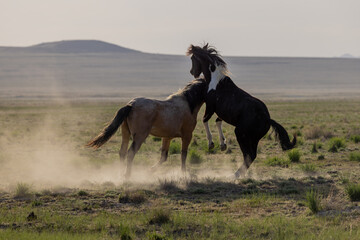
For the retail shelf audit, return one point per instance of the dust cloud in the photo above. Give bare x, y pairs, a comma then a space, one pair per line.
45, 157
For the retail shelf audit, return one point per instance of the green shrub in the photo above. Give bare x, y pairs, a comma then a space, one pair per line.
298, 133
277, 161
313, 201
155, 236
314, 148
135, 197
336, 143
353, 191
156, 139
195, 157
344, 179
159, 216
355, 138
23, 190
355, 156
294, 155
308, 167
36, 203
175, 147
83, 193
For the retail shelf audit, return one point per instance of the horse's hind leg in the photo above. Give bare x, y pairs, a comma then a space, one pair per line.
248, 147
184, 148
164, 152
125, 134
138, 139
221, 134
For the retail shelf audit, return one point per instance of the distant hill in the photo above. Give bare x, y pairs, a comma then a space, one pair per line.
72, 46
347, 55
98, 70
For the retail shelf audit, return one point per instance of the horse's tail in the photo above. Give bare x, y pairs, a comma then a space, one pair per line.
283, 136
111, 128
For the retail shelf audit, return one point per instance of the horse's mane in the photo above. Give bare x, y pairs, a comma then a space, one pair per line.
194, 93
206, 52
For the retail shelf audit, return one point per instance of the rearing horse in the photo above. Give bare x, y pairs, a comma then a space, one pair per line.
248, 114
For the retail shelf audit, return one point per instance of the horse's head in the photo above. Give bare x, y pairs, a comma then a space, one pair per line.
204, 60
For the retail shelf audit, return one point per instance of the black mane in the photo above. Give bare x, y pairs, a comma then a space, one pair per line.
195, 92
207, 52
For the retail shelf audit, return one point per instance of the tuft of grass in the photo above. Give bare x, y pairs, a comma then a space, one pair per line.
175, 147
195, 157
318, 132
83, 193
294, 155
36, 203
353, 191
168, 185
313, 201
344, 179
23, 190
355, 138
277, 161
136, 198
336, 143
155, 236
308, 167
355, 156
314, 148
298, 133
156, 139
159, 216
321, 157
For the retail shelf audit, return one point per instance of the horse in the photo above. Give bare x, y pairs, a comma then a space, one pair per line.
247, 114
176, 116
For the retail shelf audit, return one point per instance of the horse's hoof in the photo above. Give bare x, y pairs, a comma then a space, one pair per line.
231, 177
223, 147
211, 146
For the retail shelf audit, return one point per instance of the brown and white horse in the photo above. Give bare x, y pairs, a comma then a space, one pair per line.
248, 114
173, 117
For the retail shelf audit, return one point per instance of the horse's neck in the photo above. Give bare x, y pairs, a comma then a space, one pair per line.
216, 76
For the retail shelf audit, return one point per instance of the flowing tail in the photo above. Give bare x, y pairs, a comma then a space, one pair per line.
283, 136
111, 128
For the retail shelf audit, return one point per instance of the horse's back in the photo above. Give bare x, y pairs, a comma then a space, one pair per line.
162, 118
234, 105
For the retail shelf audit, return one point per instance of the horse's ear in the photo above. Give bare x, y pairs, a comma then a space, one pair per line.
212, 67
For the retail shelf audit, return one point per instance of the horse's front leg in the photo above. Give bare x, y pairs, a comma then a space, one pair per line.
164, 152
209, 111
211, 144
221, 134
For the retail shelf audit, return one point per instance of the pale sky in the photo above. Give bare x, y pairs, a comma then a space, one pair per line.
313, 28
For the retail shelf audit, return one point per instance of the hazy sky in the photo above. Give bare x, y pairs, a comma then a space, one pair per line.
323, 28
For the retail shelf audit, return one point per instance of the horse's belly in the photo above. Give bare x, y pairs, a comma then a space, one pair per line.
165, 132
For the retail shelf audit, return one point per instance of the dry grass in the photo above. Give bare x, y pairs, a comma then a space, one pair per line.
204, 204
318, 132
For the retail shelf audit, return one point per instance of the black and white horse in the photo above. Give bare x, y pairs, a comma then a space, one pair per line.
248, 114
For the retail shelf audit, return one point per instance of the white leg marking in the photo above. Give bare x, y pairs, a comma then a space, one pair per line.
221, 134
208, 134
